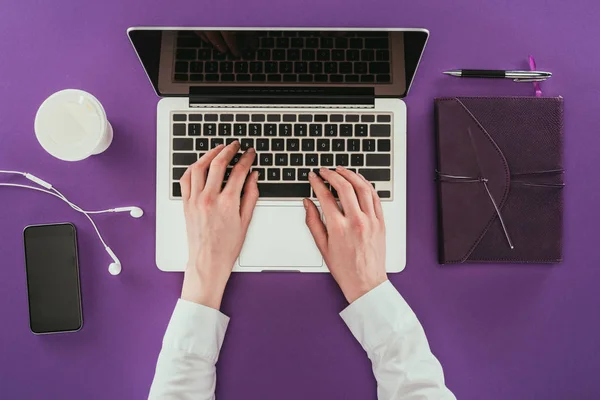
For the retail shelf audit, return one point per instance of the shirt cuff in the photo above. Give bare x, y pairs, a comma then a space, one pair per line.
196, 329
373, 317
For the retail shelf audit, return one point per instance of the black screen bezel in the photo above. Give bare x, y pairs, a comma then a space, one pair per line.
76, 266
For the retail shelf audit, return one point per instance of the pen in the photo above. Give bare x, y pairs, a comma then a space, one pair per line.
517, 76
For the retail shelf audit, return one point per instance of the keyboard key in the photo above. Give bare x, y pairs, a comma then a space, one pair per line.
384, 118
278, 145
356, 43
341, 43
376, 43
194, 130
289, 78
268, 43
196, 67
360, 130
255, 130
256, 67
258, 117
379, 68
284, 189
352, 55
211, 117
263, 54
305, 118
351, 78
357, 160
323, 145
311, 159
296, 159
278, 54
245, 144
178, 129
345, 68
316, 130
235, 159
211, 77
242, 117
331, 130
297, 43
204, 54
261, 173
186, 54
378, 160
286, 67
305, 78
384, 145
330, 68
293, 145
259, 78
209, 129
226, 117
315, 67
239, 129
377, 175
197, 77
294, 54
303, 174
312, 42
326, 160
211, 67
323, 55
338, 145
270, 130
336, 78
273, 174
326, 42
181, 67
202, 144
179, 117
379, 130
384, 194
336, 118
352, 118
196, 117
321, 118
176, 189
241, 67
262, 144
229, 141
300, 129
285, 130
353, 145
345, 130
341, 159
383, 78
271, 67
367, 55
224, 129
382, 55
273, 117
266, 159
184, 158
274, 78
308, 145
181, 77
338, 55
300, 67
367, 118
178, 173
368, 145
289, 118
289, 174
281, 159
321, 78
360, 68
215, 142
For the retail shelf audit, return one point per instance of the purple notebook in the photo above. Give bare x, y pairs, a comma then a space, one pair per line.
500, 179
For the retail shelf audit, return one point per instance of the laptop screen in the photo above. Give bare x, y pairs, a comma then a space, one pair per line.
177, 59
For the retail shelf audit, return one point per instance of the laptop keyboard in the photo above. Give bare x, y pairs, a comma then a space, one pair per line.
288, 57
288, 147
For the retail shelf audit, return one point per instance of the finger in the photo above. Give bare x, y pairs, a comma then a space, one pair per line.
186, 184
218, 166
376, 200
328, 204
240, 173
249, 199
202, 36
199, 170
316, 226
217, 40
363, 190
231, 40
345, 191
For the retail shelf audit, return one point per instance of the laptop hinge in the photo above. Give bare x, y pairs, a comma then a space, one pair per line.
282, 96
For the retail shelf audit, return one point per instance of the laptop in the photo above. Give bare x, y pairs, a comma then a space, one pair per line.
304, 99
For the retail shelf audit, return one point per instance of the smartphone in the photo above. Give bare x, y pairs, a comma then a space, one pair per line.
53, 287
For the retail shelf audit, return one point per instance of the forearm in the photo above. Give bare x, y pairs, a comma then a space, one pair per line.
395, 342
191, 346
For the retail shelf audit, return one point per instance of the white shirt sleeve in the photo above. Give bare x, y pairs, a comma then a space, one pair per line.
395, 342
191, 346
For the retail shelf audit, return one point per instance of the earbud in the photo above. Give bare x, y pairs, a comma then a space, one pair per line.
135, 212
115, 267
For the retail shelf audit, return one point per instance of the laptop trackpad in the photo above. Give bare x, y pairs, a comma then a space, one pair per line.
279, 237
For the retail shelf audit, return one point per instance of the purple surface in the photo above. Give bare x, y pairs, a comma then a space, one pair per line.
501, 332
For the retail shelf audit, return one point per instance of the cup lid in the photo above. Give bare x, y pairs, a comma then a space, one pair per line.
70, 124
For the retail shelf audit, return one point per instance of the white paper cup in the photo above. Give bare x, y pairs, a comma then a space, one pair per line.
71, 125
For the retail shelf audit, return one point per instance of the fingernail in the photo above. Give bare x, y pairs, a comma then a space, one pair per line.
323, 169
305, 203
250, 150
340, 168
312, 175
236, 142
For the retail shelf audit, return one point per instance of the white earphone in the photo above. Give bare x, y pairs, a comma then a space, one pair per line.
115, 267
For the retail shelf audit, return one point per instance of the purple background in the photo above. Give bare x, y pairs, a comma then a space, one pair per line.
501, 332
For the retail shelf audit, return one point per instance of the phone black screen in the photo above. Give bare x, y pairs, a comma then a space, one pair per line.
52, 278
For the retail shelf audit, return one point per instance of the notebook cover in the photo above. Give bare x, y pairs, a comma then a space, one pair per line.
515, 145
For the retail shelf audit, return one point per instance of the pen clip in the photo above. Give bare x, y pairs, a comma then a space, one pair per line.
529, 79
